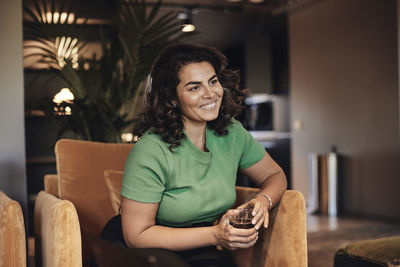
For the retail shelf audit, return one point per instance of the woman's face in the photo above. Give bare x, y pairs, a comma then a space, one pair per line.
199, 93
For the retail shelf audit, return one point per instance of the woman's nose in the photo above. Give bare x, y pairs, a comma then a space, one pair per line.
208, 91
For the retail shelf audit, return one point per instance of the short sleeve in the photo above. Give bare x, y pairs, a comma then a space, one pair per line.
250, 150
145, 171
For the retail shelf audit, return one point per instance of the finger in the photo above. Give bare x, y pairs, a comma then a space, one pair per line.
259, 222
256, 207
244, 244
256, 216
231, 238
242, 232
245, 205
230, 212
266, 219
244, 240
259, 218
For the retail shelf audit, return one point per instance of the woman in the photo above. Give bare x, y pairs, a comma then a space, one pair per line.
180, 176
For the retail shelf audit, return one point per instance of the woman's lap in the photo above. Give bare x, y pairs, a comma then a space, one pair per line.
201, 257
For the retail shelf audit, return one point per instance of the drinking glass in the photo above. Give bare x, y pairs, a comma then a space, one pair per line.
242, 219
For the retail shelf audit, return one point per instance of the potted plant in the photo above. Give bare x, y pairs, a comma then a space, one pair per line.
106, 89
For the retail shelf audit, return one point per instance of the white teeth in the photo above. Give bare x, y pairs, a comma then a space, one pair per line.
209, 106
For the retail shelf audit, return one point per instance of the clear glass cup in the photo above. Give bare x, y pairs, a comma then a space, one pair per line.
242, 219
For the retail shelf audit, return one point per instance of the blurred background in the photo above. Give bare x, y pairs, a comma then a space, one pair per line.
323, 74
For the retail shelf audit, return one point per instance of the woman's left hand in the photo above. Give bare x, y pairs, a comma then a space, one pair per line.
260, 211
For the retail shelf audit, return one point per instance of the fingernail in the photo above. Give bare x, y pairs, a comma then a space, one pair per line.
253, 221
256, 227
266, 226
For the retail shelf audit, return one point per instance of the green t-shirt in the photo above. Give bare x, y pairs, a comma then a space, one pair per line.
190, 185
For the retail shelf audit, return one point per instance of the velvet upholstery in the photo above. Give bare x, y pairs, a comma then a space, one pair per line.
12, 233
80, 169
51, 184
283, 243
57, 232
375, 252
113, 181
83, 169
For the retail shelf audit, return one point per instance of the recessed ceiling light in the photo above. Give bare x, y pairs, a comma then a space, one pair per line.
256, 1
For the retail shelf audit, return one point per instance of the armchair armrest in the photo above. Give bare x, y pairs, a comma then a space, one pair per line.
284, 242
12, 233
51, 184
57, 232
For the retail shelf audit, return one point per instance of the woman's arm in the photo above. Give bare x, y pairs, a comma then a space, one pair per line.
140, 230
268, 175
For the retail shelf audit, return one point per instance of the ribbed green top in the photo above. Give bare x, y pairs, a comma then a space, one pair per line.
190, 185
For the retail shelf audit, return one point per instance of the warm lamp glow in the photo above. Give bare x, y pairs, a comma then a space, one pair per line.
56, 17
127, 137
67, 49
188, 27
186, 17
68, 110
65, 95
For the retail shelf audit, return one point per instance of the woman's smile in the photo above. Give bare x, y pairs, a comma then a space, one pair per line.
210, 106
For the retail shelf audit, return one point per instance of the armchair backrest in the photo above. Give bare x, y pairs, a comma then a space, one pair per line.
80, 169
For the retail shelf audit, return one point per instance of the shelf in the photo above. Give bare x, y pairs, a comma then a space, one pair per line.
270, 135
41, 160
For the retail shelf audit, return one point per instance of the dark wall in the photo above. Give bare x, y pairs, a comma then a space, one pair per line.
12, 141
344, 93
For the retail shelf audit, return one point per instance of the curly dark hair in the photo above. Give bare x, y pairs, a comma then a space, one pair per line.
160, 115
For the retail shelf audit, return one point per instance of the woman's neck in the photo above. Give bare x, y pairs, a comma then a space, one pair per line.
197, 135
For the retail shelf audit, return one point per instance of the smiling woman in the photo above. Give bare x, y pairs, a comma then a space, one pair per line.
199, 97
178, 188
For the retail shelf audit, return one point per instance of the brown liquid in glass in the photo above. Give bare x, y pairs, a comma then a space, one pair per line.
242, 225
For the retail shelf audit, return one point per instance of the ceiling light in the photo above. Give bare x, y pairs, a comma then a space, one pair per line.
256, 1
186, 16
188, 27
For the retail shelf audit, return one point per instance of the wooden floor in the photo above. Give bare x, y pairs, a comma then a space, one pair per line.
324, 236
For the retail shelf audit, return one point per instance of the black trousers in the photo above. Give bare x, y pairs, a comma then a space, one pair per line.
201, 257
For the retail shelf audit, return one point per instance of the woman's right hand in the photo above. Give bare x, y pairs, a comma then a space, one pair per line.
233, 238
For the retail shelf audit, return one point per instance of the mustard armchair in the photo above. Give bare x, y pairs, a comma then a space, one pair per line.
12, 233
80, 180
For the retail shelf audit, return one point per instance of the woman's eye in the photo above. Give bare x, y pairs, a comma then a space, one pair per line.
195, 88
215, 81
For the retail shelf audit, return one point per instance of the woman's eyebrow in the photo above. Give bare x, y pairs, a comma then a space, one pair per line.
192, 82
212, 77
195, 82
